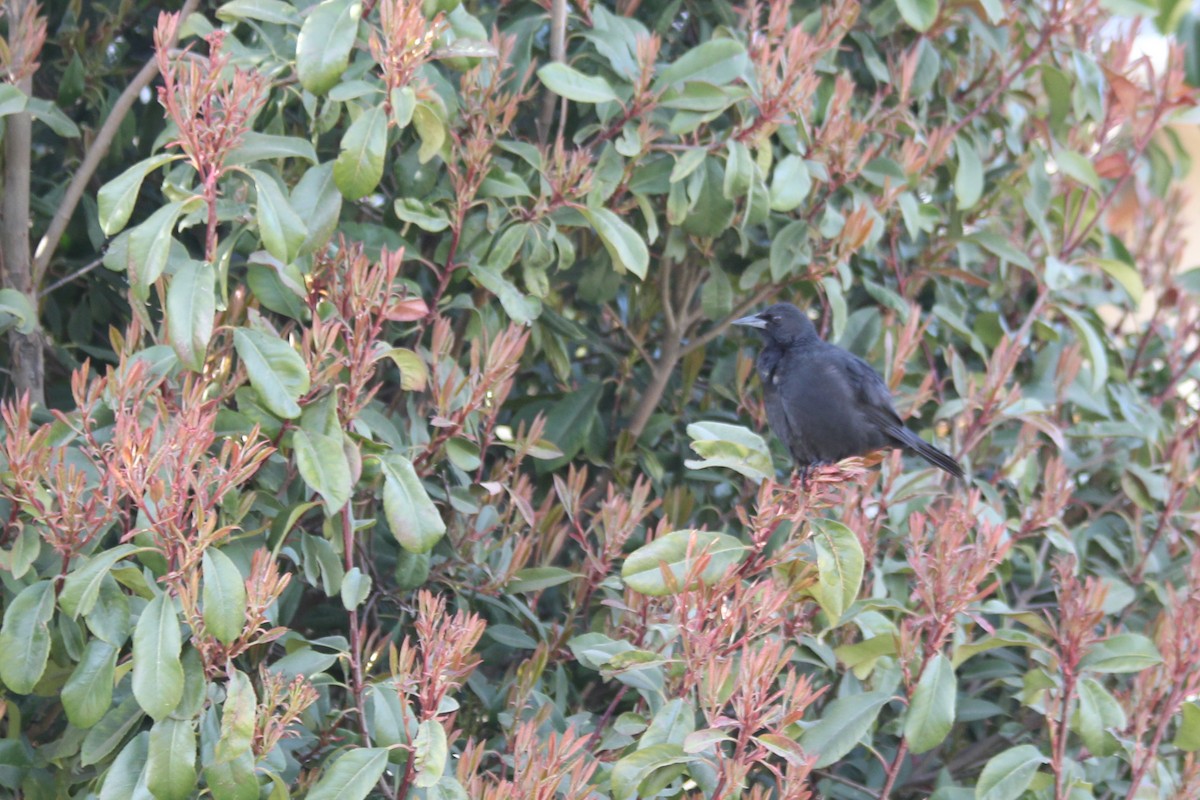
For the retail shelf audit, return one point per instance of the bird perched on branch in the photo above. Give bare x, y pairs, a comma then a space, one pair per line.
825, 403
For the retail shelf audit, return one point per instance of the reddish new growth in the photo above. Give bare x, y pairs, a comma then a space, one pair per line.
442, 658
950, 571
785, 59
1159, 692
556, 767
768, 699
20, 51
282, 704
403, 41
440, 662
263, 588
212, 110
43, 486
1075, 628
343, 348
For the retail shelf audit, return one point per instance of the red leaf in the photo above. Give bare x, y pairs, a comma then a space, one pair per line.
408, 309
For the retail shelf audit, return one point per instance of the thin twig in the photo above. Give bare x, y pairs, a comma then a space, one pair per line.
79, 273
91, 162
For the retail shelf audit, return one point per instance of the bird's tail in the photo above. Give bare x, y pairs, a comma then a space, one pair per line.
930, 453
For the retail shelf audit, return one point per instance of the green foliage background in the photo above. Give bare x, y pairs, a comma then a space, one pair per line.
415, 457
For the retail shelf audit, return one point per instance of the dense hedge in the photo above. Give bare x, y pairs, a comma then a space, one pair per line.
400, 445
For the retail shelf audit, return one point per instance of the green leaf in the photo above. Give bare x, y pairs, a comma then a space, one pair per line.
569, 422
1007, 775
25, 637
82, 585
157, 670
787, 749
237, 719
919, 14
537, 579
359, 165
732, 447
968, 180
1093, 344
276, 370
317, 200
931, 712
626, 248
839, 567
1001, 247
17, 312
125, 779
104, 737
116, 198
171, 760
191, 308
790, 248
566, 81
277, 12
88, 693
223, 596
429, 753
353, 776
431, 127
678, 552
257, 146
717, 61
150, 243
861, 656
52, 117
1128, 277
12, 100
463, 454
843, 723
356, 588
322, 463
1099, 716
1122, 652
790, 184
672, 724
520, 308
412, 516
1078, 168
739, 170
425, 216
281, 229
234, 779
1187, 737
413, 372
325, 42
632, 771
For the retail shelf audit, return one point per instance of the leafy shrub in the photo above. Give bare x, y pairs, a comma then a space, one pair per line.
420, 462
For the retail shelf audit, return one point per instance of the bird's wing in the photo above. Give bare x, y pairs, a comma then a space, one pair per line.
875, 402
870, 392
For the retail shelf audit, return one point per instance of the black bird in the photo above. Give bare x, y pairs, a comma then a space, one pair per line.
825, 403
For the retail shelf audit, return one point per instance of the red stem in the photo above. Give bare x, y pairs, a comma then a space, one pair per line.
356, 642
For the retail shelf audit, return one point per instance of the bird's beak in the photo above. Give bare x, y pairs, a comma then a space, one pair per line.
752, 321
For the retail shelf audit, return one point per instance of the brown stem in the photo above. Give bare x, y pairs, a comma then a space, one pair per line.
91, 161
1164, 719
1060, 743
28, 366
558, 53
894, 770
668, 357
356, 642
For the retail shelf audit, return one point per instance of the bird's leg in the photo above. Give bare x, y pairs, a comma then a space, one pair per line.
801, 478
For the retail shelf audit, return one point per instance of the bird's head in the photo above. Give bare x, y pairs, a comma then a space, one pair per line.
781, 323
